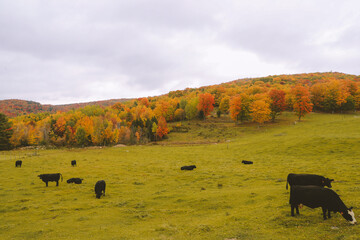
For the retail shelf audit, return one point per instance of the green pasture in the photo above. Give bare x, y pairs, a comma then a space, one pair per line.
149, 197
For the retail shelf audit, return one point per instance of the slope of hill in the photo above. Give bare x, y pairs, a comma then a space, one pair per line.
149, 197
16, 107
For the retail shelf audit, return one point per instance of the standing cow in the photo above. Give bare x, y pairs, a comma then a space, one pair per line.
308, 179
18, 163
73, 163
100, 188
52, 177
315, 196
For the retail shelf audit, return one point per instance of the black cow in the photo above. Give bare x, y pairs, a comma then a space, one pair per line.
73, 163
99, 188
75, 180
246, 162
308, 179
18, 163
191, 167
316, 196
52, 177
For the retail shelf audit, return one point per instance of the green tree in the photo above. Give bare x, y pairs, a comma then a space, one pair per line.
5, 132
80, 136
191, 110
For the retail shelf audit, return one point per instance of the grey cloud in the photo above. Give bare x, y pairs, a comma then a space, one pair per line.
67, 49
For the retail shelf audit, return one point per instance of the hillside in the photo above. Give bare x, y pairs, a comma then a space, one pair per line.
258, 101
149, 197
16, 107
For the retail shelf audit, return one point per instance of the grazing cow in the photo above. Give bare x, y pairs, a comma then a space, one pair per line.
73, 163
53, 177
99, 188
191, 167
75, 180
316, 196
18, 163
308, 179
247, 162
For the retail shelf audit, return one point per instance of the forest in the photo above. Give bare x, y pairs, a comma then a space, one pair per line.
144, 120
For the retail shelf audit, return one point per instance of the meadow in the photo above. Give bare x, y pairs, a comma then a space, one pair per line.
149, 197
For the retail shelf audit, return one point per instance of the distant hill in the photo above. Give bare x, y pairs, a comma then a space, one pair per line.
16, 107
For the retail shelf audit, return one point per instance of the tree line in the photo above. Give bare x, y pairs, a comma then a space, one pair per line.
145, 119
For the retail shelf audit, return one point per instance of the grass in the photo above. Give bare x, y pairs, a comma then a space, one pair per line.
148, 197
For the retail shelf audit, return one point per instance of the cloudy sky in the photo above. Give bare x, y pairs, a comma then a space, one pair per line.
67, 51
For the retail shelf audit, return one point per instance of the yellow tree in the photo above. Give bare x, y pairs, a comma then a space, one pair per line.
260, 111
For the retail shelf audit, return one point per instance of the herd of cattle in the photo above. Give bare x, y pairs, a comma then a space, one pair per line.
55, 177
305, 189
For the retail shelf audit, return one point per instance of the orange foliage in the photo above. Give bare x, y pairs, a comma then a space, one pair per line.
162, 129
301, 100
206, 103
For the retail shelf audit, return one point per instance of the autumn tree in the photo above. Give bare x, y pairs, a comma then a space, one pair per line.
80, 136
225, 105
162, 129
277, 103
301, 100
239, 107
235, 108
260, 111
5, 132
318, 96
335, 95
179, 114
206, 103
191, 108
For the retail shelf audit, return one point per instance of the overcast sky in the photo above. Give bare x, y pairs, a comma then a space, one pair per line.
57, 52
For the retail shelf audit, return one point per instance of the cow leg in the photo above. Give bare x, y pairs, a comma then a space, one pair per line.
324, 212
297, 209
46, 183
104, 192
329, 216
57, 183
292, 210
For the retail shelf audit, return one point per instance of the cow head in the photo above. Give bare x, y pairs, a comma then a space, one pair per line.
40, 176
349, 216
327, 182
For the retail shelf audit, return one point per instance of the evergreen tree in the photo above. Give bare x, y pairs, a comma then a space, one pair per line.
5, 132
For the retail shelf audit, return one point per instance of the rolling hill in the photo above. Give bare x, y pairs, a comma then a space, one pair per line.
16, 107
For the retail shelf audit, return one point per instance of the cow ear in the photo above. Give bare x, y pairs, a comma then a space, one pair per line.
350, 208
331, 180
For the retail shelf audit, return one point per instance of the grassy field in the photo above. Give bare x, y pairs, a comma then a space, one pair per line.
148, 197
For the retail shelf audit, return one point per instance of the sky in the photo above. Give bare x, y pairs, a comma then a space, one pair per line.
69, 51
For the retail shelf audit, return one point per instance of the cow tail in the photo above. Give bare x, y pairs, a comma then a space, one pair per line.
61, 177
287, 181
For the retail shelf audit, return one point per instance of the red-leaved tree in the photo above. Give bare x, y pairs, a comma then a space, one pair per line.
277, 103
301, 100
206, 103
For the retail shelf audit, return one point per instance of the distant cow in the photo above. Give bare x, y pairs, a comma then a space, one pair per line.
73, 163
308, 179
99, 188
316, 196
75, 180
191, 167
18, 163
53, 177
246, 162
